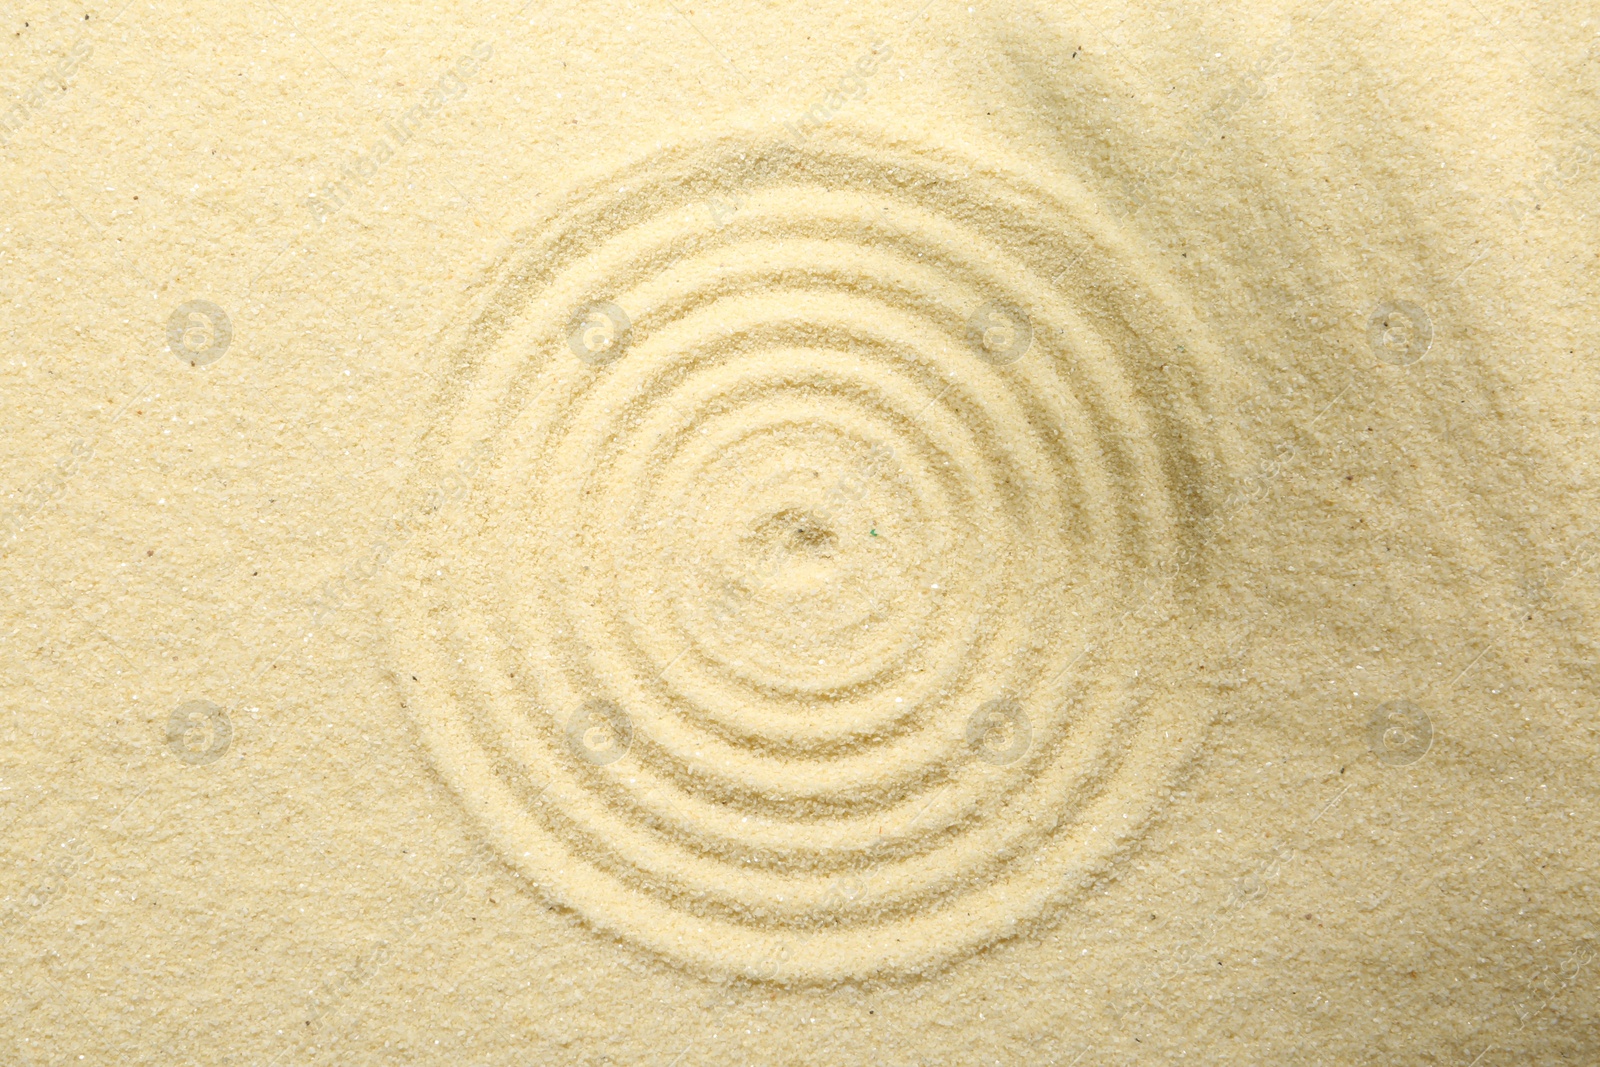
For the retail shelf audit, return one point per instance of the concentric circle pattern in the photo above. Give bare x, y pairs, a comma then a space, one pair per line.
783, 631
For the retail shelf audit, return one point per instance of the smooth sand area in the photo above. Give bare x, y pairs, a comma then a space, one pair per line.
804, 534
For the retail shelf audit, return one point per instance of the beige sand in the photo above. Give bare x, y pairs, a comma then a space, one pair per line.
943, 535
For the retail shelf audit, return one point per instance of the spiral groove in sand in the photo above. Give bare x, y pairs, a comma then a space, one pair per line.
801, 522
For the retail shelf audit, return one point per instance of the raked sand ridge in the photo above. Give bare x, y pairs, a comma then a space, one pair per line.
763, 636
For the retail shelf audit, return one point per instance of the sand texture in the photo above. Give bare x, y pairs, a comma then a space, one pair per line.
791, 535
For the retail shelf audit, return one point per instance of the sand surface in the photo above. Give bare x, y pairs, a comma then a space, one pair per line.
806, 534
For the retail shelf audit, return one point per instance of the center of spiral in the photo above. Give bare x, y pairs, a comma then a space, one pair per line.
805, 534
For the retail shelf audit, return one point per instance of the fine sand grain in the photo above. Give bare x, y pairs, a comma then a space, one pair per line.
802, 535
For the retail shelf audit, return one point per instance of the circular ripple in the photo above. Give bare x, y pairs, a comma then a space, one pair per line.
784, 632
